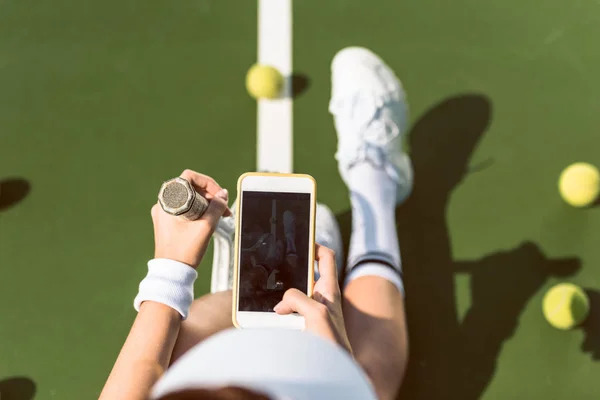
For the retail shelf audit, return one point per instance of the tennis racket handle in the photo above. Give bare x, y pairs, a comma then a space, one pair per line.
178, 197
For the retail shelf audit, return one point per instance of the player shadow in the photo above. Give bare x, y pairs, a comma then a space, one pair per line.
12, 191
450, 357
17, 388
591, 326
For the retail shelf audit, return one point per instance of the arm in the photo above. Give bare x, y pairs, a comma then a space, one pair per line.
165, 294
145, 354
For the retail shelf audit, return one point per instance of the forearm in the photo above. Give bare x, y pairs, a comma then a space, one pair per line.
145, 354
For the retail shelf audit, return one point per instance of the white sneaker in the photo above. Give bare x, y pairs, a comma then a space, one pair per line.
327, 233
371, 116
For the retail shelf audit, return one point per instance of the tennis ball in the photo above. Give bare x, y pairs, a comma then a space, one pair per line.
264, 81
565, 306
579, 184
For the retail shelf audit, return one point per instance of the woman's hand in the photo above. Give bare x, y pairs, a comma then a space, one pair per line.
186, 241
323, 313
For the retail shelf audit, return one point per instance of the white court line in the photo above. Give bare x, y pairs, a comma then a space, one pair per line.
274, 119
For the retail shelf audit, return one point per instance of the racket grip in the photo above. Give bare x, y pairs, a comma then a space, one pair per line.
177, 197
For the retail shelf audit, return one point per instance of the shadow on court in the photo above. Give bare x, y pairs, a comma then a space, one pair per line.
300, 84
12, 191
17, 388
591, 326
448, 355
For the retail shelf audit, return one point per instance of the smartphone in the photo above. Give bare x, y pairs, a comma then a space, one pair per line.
274, 247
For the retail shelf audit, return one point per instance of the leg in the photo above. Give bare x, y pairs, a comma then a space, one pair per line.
373, 292
376, 326
370, 112
209, 314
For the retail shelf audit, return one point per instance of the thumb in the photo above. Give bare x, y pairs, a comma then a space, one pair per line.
326, 259
296, 301
216, 208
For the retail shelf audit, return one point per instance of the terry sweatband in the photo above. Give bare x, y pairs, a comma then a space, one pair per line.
168, 282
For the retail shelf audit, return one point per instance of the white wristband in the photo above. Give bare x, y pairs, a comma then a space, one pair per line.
168, 282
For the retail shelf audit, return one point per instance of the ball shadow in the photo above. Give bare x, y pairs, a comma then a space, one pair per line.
300, 84
12, 191
17, 388
591, 326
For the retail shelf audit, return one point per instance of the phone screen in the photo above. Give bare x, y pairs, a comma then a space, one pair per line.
275, 232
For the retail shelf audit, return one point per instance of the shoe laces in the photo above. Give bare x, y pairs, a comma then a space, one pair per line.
371, 114
374, 118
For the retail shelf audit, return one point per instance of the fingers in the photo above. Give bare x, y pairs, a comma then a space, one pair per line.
205, 184
155, 210
326, 258
296, 301
201, 182
216, 208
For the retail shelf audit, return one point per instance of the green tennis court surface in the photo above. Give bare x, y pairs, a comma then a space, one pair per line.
102, 101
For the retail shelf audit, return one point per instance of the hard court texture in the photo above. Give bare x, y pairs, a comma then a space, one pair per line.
101, 102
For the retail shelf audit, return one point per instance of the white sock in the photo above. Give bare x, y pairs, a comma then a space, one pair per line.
374, 237
376, 269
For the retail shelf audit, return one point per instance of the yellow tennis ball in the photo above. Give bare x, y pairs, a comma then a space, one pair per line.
579, 184
566, 306
264, 81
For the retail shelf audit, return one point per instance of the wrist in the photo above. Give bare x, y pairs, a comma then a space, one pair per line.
170, 283
180, 258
